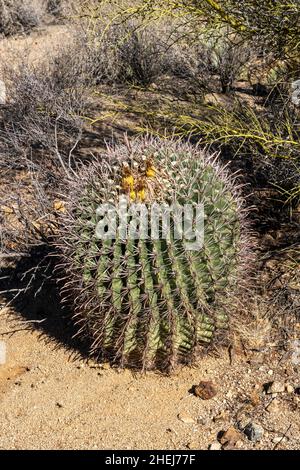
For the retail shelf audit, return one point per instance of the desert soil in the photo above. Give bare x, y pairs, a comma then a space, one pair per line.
51, 398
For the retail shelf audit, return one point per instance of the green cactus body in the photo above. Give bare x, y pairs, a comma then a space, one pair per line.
153, 302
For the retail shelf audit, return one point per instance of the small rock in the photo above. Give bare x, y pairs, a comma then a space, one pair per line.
274, 387
205, 390
201, 421
270, 372
297, 390
221, 416
254, 432
229, 447
273, 406
3, 348
289, 388
277, 440
243, 421
185, 418
59, 404
193, 445
2, 92
230, 437
255, 398
215, 446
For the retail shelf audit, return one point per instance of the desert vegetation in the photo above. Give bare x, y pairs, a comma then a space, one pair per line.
156, 101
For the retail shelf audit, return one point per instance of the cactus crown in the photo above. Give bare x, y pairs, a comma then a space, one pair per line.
152, 302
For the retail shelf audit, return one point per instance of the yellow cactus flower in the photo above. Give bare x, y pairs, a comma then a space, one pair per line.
141, 194
128, 182
132, 195
59, 206
150, 171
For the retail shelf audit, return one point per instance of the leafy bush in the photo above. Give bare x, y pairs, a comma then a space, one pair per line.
270, 140
275, 23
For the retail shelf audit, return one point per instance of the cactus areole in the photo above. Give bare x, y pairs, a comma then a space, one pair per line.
145, 299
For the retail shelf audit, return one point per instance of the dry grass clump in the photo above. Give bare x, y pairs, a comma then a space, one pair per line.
22, 16
43, 112
125, 54
212, 63
55, 7
133, 53
18, 16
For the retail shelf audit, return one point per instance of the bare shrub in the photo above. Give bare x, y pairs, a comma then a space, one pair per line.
42, 115
212, 64
55, 7
125, 54
18, 16
142, 57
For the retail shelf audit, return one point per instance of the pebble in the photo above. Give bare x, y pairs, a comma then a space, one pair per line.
289, 388
273, 406
201, 421
221, 416
193, 445
205, 390
255, 398
270, 372
277, 440
185, 418
274, 387
242, 423
215, 446
2, 92
254, 432
230, 437
58, 404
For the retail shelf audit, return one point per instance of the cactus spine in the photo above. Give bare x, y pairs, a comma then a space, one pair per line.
152, 302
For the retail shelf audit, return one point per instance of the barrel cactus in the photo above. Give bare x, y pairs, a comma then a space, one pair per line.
144, 301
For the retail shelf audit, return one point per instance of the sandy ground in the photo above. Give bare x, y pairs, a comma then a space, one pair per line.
34, 47
51, 399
